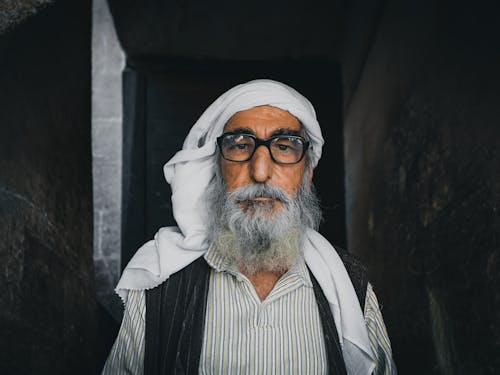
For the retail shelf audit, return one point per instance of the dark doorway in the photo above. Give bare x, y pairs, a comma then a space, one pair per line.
163, 99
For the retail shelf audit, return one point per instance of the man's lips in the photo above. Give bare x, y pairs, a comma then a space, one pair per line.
260, 199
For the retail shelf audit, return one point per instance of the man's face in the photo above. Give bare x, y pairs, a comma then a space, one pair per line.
263, 122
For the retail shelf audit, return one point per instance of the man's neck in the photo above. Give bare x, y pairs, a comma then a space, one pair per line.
264, 282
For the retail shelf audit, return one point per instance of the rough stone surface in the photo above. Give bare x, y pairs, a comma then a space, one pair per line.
422, 158
13, 12
48, 314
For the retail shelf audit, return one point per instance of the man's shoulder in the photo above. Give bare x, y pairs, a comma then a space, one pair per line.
187, 276
352, 263
357, 273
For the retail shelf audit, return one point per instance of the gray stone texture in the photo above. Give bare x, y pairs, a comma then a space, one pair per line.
107, 65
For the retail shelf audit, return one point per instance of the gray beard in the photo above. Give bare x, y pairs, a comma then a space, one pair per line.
256, 238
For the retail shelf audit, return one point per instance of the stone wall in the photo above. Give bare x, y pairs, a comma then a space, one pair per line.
48, 314
422, 150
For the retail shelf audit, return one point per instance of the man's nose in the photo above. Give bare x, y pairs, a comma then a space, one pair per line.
261, 164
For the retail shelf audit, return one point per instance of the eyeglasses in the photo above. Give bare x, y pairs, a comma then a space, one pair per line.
284, 149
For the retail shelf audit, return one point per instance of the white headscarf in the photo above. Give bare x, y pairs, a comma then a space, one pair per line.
191, 171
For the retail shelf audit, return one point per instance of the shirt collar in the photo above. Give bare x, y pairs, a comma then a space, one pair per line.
216, 260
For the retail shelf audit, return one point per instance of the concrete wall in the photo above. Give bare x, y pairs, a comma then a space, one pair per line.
108, 61
422, 150
48, 314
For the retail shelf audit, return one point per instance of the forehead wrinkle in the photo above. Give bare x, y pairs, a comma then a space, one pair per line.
241, 130
264, 113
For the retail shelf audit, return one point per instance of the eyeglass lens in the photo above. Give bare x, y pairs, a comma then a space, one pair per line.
284, 149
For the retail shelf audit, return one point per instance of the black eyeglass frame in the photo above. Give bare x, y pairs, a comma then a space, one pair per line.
263, 142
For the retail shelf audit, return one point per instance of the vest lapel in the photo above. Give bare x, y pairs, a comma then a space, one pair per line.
175, 312
336, 363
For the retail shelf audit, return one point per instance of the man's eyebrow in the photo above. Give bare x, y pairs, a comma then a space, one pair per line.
280, 131
285, 131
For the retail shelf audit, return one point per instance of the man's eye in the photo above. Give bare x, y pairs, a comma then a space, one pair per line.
241, 146
283, 147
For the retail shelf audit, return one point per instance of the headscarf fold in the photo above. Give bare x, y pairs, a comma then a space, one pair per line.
191, 171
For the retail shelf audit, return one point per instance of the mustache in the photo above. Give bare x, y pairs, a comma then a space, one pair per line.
253, 191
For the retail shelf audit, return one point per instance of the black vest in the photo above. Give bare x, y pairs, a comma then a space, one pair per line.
175, 317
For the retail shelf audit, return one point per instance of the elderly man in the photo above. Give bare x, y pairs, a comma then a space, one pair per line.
245, 284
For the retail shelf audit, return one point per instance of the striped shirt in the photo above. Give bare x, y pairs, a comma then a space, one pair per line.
245, 335
280, 335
